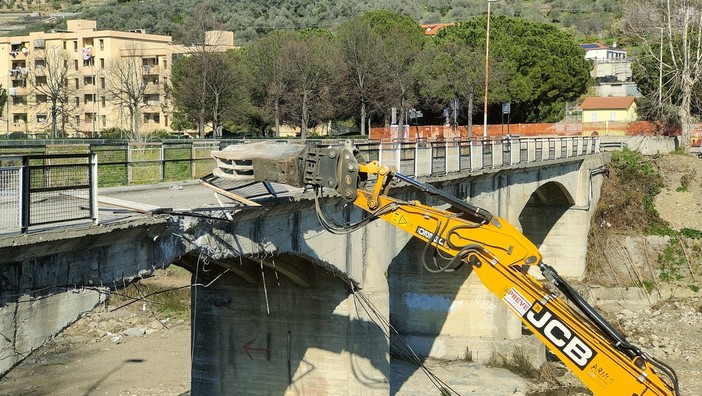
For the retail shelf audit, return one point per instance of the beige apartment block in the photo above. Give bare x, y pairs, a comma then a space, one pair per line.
90, 58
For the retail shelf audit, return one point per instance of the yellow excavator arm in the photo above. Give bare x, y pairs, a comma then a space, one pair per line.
496, 251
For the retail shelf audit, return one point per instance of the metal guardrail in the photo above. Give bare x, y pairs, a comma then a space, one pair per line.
124, 163
47, 189
613, 146
422, 158
39, 189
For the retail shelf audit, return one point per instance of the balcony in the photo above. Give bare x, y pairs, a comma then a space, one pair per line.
18, 125
17, 91
90, 107
152, 89
150, 70
18, 73
17, 53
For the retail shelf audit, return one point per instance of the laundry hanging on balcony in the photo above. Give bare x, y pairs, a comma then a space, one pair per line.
87, 53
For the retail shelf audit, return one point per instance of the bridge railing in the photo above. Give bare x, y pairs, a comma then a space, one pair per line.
47, 189
429, 158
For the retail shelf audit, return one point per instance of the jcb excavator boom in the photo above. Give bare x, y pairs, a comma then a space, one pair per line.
500, 255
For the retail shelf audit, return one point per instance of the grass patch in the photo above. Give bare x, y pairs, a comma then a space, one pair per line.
685, 181
166, 300
518, 363
691, 233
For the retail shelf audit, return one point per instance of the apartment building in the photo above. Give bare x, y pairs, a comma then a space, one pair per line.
91, 72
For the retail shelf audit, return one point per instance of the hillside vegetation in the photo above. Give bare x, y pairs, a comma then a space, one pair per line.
646, 230
254, 18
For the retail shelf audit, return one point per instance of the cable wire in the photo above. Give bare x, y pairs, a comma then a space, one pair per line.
403, 350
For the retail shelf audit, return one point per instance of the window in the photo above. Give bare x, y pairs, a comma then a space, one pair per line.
89, 62
89, 118
77, 118
88, 98
77, 101
154, 118
104, 120
149, 61
77, 83
612, 116
165, 63
40, 80
41, 118
75, 45
88, 80
19, 100
152, 100
102, 82
64, 45
102, 44
42, 99
102, 63
593, 116
75, 64
19, 83
102, 100
39, 63
18, 118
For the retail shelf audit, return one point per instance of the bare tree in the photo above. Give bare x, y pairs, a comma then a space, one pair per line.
670, 32
200, 33
126, 85
50, 77
222, 84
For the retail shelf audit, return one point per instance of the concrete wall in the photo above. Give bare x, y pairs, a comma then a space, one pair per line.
47, 280
646, 145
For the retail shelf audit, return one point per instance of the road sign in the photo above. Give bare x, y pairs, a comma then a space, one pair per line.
506, 108
415, 114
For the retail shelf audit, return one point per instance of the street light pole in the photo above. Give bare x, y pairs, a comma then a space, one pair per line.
487, 68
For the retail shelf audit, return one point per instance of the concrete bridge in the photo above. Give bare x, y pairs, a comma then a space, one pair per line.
276, 311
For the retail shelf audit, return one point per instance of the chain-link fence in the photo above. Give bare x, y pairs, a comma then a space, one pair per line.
10, 193
46, 189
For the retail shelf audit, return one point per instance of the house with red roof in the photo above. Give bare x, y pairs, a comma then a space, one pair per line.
609, 109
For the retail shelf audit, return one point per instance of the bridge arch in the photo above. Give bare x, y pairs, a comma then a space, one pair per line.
551, 193
280, 313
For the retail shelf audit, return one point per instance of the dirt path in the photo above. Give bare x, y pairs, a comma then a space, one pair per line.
124, 352
154, 364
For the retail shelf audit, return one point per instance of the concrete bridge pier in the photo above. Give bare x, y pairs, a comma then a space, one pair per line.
284, 314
